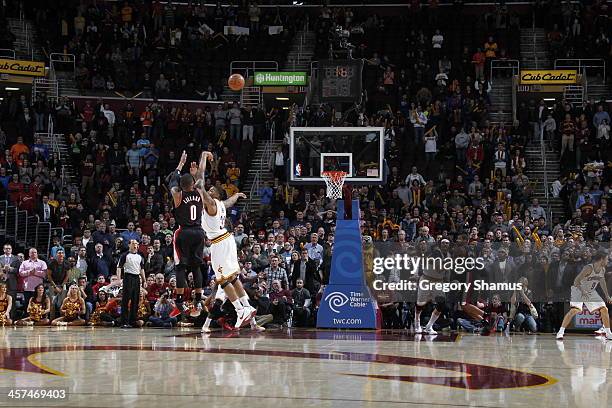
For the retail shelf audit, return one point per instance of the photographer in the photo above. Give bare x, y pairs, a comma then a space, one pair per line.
281, 302
164, 306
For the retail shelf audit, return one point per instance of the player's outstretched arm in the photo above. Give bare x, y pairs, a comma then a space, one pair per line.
230, 202
209, 202
199, 176
174, 177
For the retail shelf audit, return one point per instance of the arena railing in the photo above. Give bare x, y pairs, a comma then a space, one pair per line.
512, 65
263, 166
22, 19
350, 3
66, 62
11, 222
21, 228
7, 53
314, 71
137, 101
247, 68
30, 238
48, 86
3, 207
515, 81
594, 65
43, 237
545, 170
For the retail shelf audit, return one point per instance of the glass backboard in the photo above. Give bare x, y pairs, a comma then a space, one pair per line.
358, 151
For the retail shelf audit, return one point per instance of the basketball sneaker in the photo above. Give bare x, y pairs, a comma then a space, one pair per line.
243, 314
250, 313
206, 329
225, 325
418, 330
600, 331
430, 331
255, 327
609, 336
559, 336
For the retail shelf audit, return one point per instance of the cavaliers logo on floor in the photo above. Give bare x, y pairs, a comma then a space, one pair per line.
465, 375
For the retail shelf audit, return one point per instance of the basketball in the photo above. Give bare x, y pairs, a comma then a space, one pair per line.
235, 82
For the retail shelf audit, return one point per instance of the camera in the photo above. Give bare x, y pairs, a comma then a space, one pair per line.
339, 38
339, 32
167, 293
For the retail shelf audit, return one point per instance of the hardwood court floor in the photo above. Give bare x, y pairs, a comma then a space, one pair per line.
303, 368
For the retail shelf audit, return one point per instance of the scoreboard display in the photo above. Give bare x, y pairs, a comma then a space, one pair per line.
340, 80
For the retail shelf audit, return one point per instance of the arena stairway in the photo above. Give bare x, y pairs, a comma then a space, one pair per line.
598, 91
66, 83
26, 42
534, 51
301, 52
259, 172
500, 110
535, 173
56, 142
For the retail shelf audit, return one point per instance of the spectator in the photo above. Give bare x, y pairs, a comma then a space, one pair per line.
301, 304
154, 262
57, 275
281, 303
275, 273
303, 268
9, 269
525, 310
163, 308
419, 121
314, 249
235, 120
99, 264
33, 271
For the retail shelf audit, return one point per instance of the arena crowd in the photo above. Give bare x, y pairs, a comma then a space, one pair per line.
455, 177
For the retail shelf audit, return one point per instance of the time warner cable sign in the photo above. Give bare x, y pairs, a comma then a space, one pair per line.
347, 302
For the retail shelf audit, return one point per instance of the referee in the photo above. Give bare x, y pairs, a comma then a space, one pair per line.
131, 268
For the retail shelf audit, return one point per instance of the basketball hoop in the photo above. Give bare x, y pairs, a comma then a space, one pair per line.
334, 181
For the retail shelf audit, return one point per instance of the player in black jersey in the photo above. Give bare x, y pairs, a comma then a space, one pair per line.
189, 237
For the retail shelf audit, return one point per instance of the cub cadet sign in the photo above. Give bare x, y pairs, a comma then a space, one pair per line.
17, 67
280, 78
548, 77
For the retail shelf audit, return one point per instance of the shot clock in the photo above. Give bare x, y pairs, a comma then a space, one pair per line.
340, 80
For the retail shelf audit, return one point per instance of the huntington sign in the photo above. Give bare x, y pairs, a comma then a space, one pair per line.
280, 78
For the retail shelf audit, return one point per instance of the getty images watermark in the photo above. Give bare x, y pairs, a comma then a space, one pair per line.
398, 272
433, 268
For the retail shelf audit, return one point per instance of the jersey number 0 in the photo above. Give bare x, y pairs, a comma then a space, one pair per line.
193, 212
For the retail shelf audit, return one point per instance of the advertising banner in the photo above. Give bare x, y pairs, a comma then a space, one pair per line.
548, 76
19, 67
274, 78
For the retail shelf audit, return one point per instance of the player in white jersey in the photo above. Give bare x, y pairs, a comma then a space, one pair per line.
223, 252
584, 292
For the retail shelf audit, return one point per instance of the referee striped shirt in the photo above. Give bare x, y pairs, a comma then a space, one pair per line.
131, 263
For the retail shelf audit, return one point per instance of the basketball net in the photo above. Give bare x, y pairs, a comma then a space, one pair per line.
334, 181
